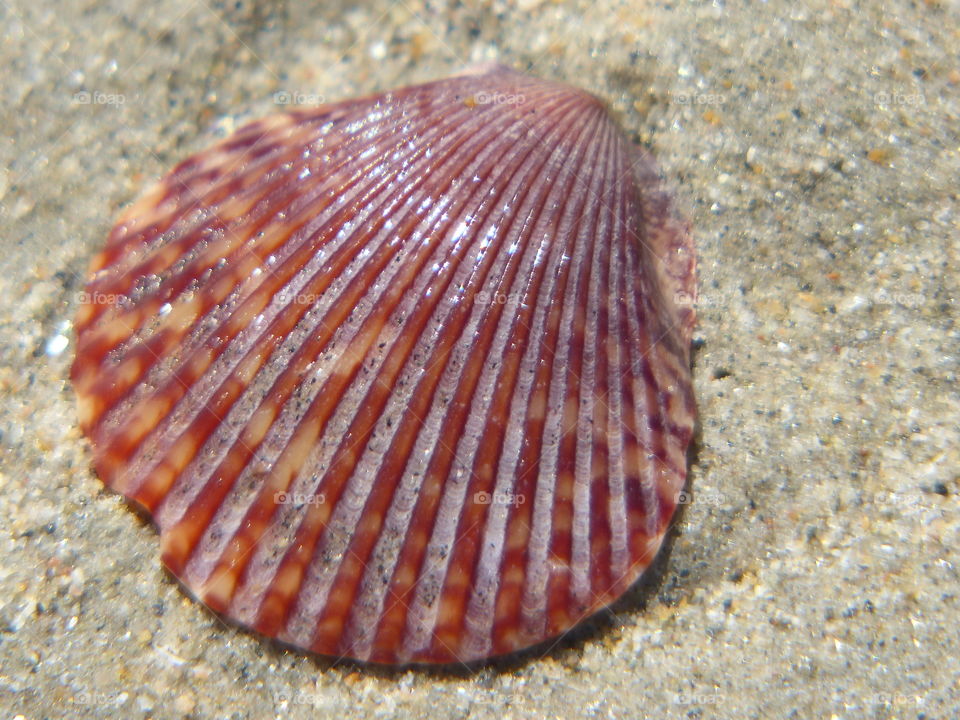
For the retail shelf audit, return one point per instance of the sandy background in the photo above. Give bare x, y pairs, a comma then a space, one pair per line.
815, 146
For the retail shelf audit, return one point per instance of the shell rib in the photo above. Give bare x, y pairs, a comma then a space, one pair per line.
403, 379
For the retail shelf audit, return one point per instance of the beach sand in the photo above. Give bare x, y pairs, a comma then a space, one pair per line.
815, 147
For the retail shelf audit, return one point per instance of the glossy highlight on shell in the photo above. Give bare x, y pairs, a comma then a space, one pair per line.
402, 379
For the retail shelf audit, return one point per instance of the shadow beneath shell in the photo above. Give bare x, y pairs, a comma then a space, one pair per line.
601, 624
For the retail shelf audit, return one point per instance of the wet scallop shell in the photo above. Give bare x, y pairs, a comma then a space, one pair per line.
403, 379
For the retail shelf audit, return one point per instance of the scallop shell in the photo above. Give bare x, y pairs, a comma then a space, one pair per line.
403, 379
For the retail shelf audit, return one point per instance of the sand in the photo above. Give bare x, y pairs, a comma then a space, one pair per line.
815, 148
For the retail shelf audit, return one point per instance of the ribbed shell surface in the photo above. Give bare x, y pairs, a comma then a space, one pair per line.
403, 379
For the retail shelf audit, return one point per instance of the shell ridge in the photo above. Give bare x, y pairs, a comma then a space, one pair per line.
643, 500
618, 551
478, 228
498, 378
477, 621
204, 209
395, 591
208, 207
129, 247
298, 438
566, 571
241, 230
591, 471
525, 572
147, 344
425, 313
539, 565
301, 249
427, 605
